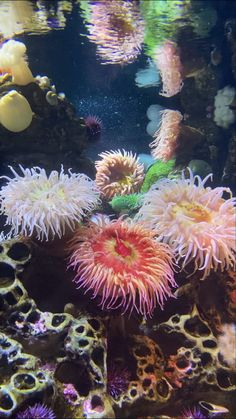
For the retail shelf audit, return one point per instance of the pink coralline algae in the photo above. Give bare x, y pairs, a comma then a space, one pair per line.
168, 62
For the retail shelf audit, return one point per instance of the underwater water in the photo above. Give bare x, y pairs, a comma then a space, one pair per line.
117, 209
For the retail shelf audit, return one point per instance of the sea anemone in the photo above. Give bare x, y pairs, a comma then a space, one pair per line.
197, 223
12, 57
168, 62
166, 138
116, 27
35, 203
122, 263
118, 173
117, 380
37, 411
94, 125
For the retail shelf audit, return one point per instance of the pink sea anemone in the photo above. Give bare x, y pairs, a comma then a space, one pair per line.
45, 206
197, 223
122, 263
166, 138
118, 173
94, 125
117, 28
168, 62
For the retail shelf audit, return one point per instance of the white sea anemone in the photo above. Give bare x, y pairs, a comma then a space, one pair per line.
45, 206
197, 222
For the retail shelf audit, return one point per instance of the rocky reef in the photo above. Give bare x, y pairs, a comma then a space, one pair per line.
62, 359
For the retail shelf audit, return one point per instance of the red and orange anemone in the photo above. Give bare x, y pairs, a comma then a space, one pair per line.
120, 262
118, 173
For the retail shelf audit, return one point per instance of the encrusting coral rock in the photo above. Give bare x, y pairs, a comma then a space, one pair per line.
15, 112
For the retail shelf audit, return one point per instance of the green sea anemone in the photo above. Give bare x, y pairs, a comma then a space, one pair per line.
157, 171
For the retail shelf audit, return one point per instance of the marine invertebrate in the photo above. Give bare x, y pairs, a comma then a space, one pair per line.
15, 112
224, 116
193, 413
12, 56
94, 125
124, 204
122, 263
116, 27
118, 173
165, 142
35, 203
117, 380
197, 222
155, 172
154, 114
37, 411
168, 61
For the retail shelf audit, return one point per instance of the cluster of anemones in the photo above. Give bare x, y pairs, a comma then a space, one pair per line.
166, 137
120, 262
45, 206
118, 173
116, 27
168, 62
197, 222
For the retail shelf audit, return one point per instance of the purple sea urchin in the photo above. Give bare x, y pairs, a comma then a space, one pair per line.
37, 411
117, 380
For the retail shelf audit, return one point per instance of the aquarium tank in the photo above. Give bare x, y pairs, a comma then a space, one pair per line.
118, 209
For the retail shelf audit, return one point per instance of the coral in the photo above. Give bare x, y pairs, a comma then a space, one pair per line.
20, 377
199, 354
150, 383
116, 27
165, 142
38, 411
197, 222
120, 262
15, 112
118, 173
12, 56
168, 62
227, 344
35, 203
125, 204
117, 380
157, 171
70, 344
